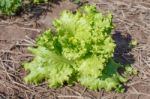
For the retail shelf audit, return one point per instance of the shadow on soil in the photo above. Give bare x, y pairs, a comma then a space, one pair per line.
123, 48
122, 52
36, 10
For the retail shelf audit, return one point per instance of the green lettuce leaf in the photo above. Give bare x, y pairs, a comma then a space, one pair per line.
9, 7
48, 66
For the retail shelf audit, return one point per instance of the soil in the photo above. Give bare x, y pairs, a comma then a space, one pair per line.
132, 22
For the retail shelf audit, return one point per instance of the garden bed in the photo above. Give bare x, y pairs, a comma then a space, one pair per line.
132, 22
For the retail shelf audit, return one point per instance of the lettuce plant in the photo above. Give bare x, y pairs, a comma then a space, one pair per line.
80, 49
39, 1
9, 7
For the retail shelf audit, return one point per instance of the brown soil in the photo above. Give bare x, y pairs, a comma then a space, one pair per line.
132, 22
